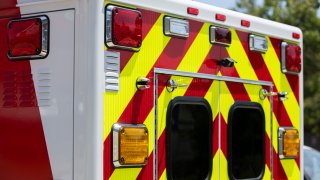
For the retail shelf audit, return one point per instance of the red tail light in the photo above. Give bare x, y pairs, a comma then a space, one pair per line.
221, 17
193, 11
123, 28
245, 23
291, 58
220, 35
28, 38
296, 35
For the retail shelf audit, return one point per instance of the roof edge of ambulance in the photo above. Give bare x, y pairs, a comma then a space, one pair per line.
207, 14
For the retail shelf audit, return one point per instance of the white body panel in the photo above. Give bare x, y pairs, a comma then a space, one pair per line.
73, 124
54, 79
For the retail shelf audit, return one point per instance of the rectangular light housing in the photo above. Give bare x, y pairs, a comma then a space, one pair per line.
221, 36
130, 145
123, 28
176, 27
258, 43
289, 143
28, 38
290, 58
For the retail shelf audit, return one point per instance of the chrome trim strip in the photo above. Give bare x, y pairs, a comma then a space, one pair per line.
155, 152
271, 133
212, 77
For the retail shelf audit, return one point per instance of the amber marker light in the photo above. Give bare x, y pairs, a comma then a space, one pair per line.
289, 143
130, 145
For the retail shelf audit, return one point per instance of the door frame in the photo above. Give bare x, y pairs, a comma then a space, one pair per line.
162, 71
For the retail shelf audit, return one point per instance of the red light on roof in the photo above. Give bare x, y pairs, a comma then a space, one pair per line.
193, 11
293, 58
221, 17
24, 37
126, 27
245, 23
296, 35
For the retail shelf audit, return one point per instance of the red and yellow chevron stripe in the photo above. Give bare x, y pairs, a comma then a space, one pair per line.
196, 54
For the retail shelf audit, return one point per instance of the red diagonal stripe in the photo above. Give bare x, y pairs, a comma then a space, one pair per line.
215, 138
142, 102
293, 79
170, 59
278, 171
224, 136
149, 18
262, 72
147, 172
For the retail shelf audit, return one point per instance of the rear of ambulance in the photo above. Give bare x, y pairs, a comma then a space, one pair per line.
194, 91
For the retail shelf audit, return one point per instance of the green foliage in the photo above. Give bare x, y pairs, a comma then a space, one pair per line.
303, 14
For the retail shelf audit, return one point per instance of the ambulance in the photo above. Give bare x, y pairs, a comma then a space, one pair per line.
148, 90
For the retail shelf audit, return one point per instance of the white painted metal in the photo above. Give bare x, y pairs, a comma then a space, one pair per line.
207, 14
53, 79
87, 50
89, 90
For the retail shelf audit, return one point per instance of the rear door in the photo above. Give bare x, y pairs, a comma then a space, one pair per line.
187, 129
211, 129
245, 131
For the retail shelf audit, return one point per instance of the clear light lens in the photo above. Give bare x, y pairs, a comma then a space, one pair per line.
258, 43
176, 27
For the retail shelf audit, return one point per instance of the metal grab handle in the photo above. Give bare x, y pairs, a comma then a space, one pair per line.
172, 85
281, 95
142, 83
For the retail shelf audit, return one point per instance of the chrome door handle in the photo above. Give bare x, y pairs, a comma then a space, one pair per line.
281, 95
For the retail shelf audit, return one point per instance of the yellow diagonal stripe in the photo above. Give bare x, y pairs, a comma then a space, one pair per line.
243, 65
281, 82
191, 62
139, 65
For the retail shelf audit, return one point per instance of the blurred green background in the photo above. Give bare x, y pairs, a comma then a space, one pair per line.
304, 14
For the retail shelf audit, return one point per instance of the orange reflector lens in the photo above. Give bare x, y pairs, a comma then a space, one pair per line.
290, 143
131, 143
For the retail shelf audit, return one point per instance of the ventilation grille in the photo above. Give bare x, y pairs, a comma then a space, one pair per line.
44, 87
112, 71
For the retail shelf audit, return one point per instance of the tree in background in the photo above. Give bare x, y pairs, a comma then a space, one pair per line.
303, 14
